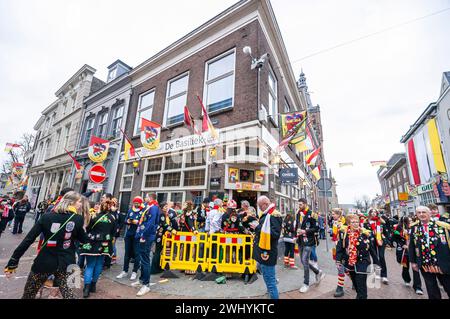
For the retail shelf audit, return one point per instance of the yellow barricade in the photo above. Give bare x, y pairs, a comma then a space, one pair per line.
185, 251
231, 253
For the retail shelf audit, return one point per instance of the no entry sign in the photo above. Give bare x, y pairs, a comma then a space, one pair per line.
97, 174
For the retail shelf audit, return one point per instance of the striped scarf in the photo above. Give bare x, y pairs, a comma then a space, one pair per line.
353, 236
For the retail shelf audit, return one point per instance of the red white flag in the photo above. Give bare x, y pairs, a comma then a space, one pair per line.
189, 120
207, 124
77, 164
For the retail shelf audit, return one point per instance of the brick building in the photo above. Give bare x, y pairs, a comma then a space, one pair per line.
244, 105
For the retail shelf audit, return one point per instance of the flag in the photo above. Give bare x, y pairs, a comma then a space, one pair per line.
345, 164
290, 120
98, 149
129, 149
378, 163
306, 144
17, 169
189, 120
311, 158
291, 134
150, 134
316, 172
77, 164
206, 123
10, 146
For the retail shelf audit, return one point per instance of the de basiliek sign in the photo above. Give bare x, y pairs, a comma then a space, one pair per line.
288, 175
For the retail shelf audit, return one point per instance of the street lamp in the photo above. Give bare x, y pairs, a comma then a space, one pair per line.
136, 167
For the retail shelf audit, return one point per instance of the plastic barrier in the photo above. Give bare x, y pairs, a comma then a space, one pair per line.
185, 251
231, 253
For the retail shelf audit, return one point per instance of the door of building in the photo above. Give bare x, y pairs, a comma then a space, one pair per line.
249, 196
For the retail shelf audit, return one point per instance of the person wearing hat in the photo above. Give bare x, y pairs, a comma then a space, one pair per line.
132, 243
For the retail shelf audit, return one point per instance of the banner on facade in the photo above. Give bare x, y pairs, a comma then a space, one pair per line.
98, 149
259, 176
441, 188
233, 175
150, 134
288, 175
403, 196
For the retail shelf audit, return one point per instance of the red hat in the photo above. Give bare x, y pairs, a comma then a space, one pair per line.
138, 199
232, 204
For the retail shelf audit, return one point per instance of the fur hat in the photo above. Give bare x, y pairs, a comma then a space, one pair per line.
138, 199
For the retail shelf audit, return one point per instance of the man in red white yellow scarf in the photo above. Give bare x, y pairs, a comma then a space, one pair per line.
265, 249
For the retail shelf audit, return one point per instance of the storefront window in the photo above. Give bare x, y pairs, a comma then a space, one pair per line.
196, 158
246, 175
154, 164
194, 178
127, 182
172, 179
152, 180
176, 197
173, 161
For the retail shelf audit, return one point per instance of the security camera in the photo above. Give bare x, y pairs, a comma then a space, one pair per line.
265, 57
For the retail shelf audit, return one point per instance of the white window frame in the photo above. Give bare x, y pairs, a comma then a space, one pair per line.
273, 116
168, 97
90, 120
124, 174
105, 125
67, 129
58, 141
116, 118
206, 82
140, 111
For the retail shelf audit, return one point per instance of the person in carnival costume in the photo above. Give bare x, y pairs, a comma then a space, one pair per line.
338, 223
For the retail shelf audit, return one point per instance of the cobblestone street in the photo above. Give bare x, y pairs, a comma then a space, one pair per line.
185, 287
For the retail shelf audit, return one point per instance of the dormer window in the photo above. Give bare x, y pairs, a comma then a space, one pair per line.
112, 74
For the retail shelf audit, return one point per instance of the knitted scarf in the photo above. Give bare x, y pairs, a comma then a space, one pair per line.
353, 236
264, 238
375, 225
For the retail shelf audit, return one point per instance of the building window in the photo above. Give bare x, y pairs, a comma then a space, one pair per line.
246, 175
196, 158
152, 180
40, 157
73, 100
88, 131
102, 125
47, 148
112, 74
273, 99
287, 108
154, 164
219, 84
64, 106
58, 141
194, 178
176, 197
173, 161
251, 148
127, 177
404, 172
117, 121
145, 109
66, 135
234, 151
176, 99
172, 179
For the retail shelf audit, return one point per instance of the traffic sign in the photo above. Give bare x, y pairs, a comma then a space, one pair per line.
324, 184
97, 174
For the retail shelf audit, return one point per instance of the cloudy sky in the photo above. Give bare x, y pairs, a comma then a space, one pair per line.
369, 91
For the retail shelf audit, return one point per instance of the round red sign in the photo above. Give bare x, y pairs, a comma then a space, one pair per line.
97, 174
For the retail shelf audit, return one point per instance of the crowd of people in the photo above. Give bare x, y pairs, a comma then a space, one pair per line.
73, 230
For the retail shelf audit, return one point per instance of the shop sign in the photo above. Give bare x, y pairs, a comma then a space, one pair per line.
403, 196
233, 175
259, 176
214, 182
421, 189
249, 186
182, 143
288, 175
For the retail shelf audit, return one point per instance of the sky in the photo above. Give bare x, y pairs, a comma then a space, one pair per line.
369, 91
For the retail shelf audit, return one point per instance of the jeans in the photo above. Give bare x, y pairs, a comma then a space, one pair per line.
270, 279
131, 249
18, 223
144, 253
313, 256
94, 268
305, 255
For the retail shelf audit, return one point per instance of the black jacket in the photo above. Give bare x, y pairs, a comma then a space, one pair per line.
100, 232
21, 209
439, 238
166, 224
268, 257
365, 249
59, 252
289, 232
309, 224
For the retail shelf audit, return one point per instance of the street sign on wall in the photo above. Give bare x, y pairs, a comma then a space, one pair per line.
97, 174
